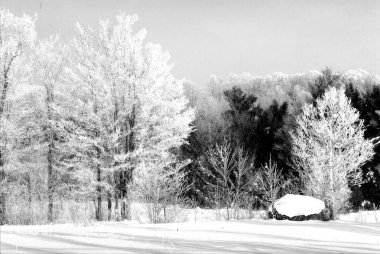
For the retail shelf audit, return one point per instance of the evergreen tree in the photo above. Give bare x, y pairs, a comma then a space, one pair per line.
273, 141
242, 118
323, 82
368, 105
259, 131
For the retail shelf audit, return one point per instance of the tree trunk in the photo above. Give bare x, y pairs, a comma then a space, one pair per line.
124, 195
117, 212
4, 95
50, 139
98, 212
3, 197
50, 182
30, 197
109, 203
125, 206
124, 211
126, 174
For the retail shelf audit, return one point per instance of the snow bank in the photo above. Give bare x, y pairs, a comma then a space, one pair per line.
296, 205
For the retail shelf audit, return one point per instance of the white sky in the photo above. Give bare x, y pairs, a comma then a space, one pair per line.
220, 37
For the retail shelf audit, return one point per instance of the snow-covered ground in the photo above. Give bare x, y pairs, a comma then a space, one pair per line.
255, 236
362, 217
139, 213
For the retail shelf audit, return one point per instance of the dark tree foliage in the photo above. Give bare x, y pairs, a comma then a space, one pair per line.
259, 131
368, 105
322, 83
242, 118
273, 140
194, 150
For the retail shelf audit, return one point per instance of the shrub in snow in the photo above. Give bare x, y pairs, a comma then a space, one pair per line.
299, 207
229, 172
366, 204
270, 180
160, 191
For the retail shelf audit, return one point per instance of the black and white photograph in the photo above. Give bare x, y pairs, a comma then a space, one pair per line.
189, 126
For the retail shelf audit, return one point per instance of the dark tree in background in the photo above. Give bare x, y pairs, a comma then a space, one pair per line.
260, 131
322, 83
194, 150
242, 118
272, 137
368, 105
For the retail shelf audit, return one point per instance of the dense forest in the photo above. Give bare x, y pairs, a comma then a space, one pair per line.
94, 124
258, 114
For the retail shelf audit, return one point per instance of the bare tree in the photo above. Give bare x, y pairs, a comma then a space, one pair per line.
270, 180
228, 172
243, 179
221, 165
161, 192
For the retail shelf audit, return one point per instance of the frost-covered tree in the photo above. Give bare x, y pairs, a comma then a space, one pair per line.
104, 69
163, 122
329, 148
49, 62
131, 111
17, 35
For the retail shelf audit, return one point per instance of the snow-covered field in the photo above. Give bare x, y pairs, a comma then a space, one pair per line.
362, 217
255, 236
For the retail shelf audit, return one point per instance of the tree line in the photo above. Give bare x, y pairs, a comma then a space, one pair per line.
92, 125
268, 118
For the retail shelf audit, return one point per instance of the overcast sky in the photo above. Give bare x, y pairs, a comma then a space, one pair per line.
220, 37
